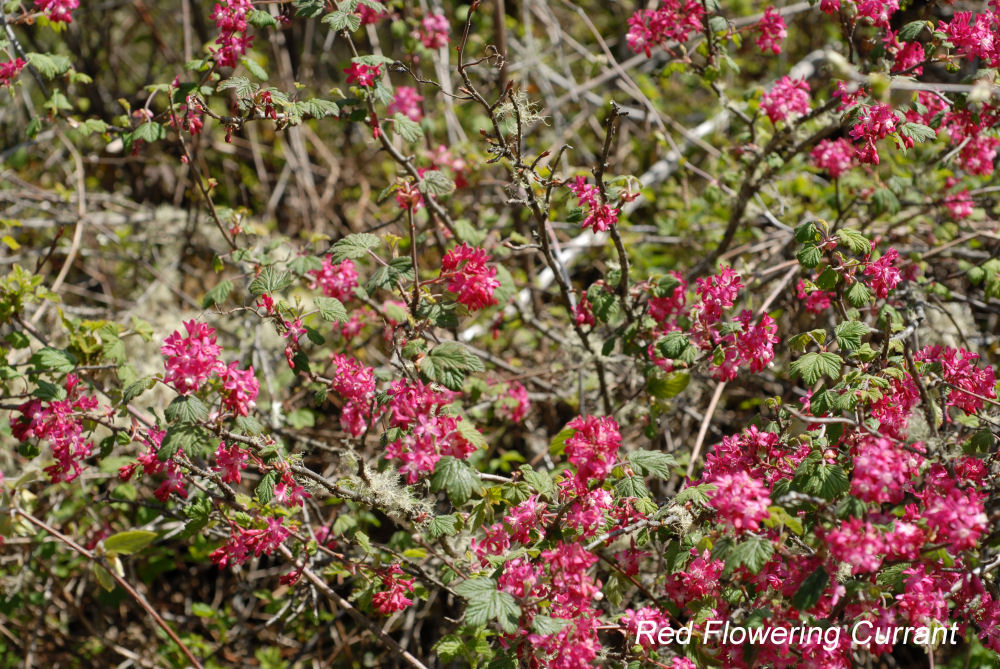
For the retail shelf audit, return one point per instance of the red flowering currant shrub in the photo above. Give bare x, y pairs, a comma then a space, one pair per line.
383, 333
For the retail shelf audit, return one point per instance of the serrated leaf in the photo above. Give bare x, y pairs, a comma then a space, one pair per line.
186, 408
631, 486
218, 294
442, 526
127, 543
540, 481
655, 463
448, 364
260, 19
353, 246
407, 128
456, 478
53, 360
485, 603
133, 390
809, 256
49, 65
854, 240
849, 334
859, 295
254, 68
269, 281
265, 487
547, 626
437, 182
672, 345
665, 386
911, 31
918, 132
752, 553
813, 366
149, 132
331, 309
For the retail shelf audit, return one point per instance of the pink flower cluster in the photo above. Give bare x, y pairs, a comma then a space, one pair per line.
674, 20
60, 423
433, 32
10, 69
429, 433
787, 100
514, 404
883, 274
815, 301
369, 15
741, 501
470, 277
600, 215
354, 382
393, 598
58, 11
363, 75
856, 543
975, 36
882, 470
835, 156
231, 19
873, 12
191, 360
772, 31
231, 461
954, 513
960, 370
407, 101
875, 122
593, 448
336, 280
243, 542
152, 465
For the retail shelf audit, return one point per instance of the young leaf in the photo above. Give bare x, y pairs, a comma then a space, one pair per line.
127, 543
455, 477
813, 366
486, 603
331, 309
353, 246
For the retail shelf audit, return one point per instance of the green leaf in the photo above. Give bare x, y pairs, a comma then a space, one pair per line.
547, 626
668, 385
53, 360
270, 280
260, 19
809, 256
911, 31
218, 294
309, 8
203, 610
673, 345
854, 240
859, 295
265, 488
49, 65
486, 603
186, 408
752, 553
103, 577
127, 543
655, 463
806, 232
407, 128
341, 20
254, 68
884, 201
133, 390
150, 132
811, 590
331, 309
457, 478
849, 334
813, 366
241, 86
632, 486
448, 363
437, 182
442, 526
185, 436
918, 132
353, 246
540, 481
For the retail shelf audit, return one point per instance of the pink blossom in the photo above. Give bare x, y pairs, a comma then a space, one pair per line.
772, 31
816, 301
231, 461
755, 344
699, 579
959, 369
881, 470
674, 20
241, 389
600, 215
856, 543
60, 423
875, 122
231, 19
883, 274
10, 69
58, 11
663, 306
433, 32
835, 156
363, 75
470, 277
592, 448
647, 614
393, 598
583, 314
514, 404
959, 204
192, 359
877, 11
355, 383
407, 102
717, 292
741, 501
336, 280
243, 541
787, 100
369, 15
